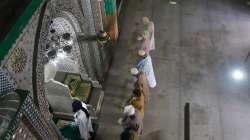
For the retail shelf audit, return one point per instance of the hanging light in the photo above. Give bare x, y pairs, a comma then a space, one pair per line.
67, 38
67, 48
103, 38
52, 53
238, 74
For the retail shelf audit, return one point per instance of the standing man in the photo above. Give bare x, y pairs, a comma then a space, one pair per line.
141, 83
145, 36
132, 118
145, 65
82, 119
137, 100
150, 29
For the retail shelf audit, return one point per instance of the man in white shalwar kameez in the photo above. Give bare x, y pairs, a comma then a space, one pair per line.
145, 65
82, 119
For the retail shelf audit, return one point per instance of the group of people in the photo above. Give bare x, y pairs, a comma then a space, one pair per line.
133, 112
143, 73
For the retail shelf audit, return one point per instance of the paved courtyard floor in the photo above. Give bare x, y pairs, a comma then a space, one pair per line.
198, 44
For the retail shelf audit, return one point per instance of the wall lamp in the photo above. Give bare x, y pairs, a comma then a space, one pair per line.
102, 38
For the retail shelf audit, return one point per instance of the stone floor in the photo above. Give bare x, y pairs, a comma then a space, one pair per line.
198, 43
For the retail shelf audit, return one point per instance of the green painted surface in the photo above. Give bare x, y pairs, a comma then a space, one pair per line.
110, 7
17, 29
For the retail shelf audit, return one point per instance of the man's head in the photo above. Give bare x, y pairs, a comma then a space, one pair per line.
129, 110
145, 20
136, 93
140, 37
76, 105
142, 54
143, 35
134, 71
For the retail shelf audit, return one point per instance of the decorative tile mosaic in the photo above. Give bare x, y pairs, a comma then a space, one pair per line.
84, 12
41, 99
72, 11
84, 55
75, 20
23, 133
5, 84
62, 26
28, 111
18, 60
36, 120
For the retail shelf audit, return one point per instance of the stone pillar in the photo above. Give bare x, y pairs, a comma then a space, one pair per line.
88, 11
103, 13
97, 14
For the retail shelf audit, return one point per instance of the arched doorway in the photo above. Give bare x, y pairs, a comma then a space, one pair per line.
63, 68
62, 73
